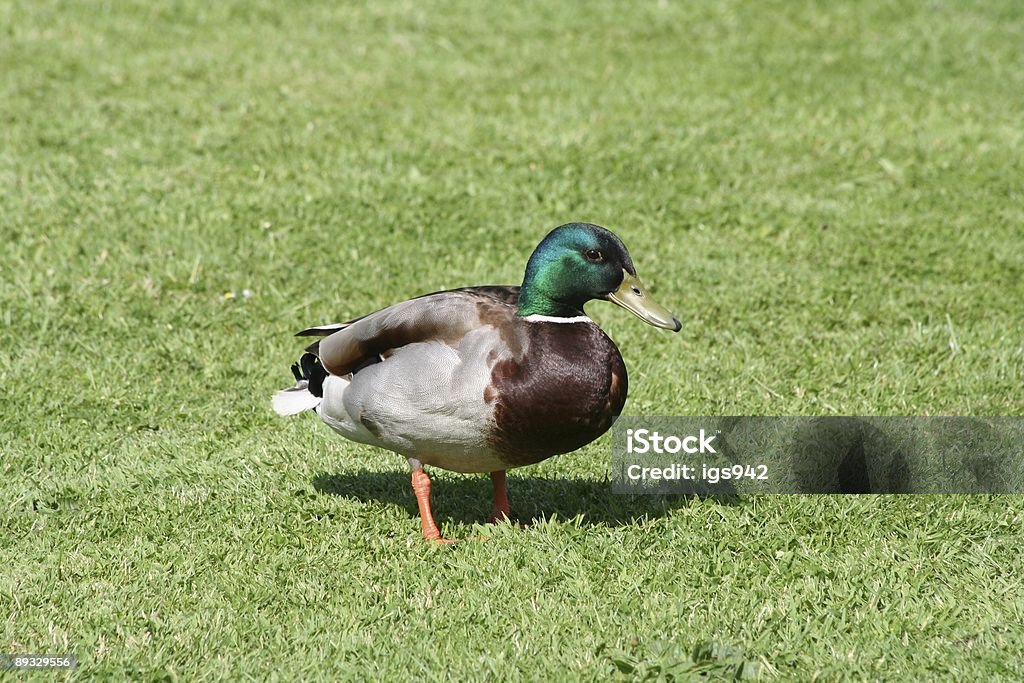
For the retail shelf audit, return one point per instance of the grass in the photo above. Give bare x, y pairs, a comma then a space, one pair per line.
827, 194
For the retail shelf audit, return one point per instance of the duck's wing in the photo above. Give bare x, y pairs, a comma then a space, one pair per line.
508, 294
441, 316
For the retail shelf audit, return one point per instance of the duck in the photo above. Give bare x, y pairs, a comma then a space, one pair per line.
482, 379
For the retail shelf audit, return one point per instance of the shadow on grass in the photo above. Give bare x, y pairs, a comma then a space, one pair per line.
467, 499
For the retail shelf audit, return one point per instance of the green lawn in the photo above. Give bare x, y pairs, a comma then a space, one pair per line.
829, 195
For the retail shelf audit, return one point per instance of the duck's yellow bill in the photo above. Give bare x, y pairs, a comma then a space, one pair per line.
632, 296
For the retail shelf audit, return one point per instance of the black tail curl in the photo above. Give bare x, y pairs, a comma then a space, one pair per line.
310, 369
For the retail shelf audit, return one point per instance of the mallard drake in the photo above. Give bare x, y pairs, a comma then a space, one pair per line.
482, 379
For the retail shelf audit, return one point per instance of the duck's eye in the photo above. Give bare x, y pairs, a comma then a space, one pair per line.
594, 255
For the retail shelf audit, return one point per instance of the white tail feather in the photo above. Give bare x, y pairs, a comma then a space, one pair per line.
295, 400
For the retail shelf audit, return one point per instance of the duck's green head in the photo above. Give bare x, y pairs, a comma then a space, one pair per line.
579, 262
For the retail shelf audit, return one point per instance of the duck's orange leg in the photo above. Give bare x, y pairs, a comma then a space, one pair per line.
500, 511
421, 487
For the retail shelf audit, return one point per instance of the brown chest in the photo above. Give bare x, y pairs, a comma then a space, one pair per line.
563, 392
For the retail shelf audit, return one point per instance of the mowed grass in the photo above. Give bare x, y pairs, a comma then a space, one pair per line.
828, 194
